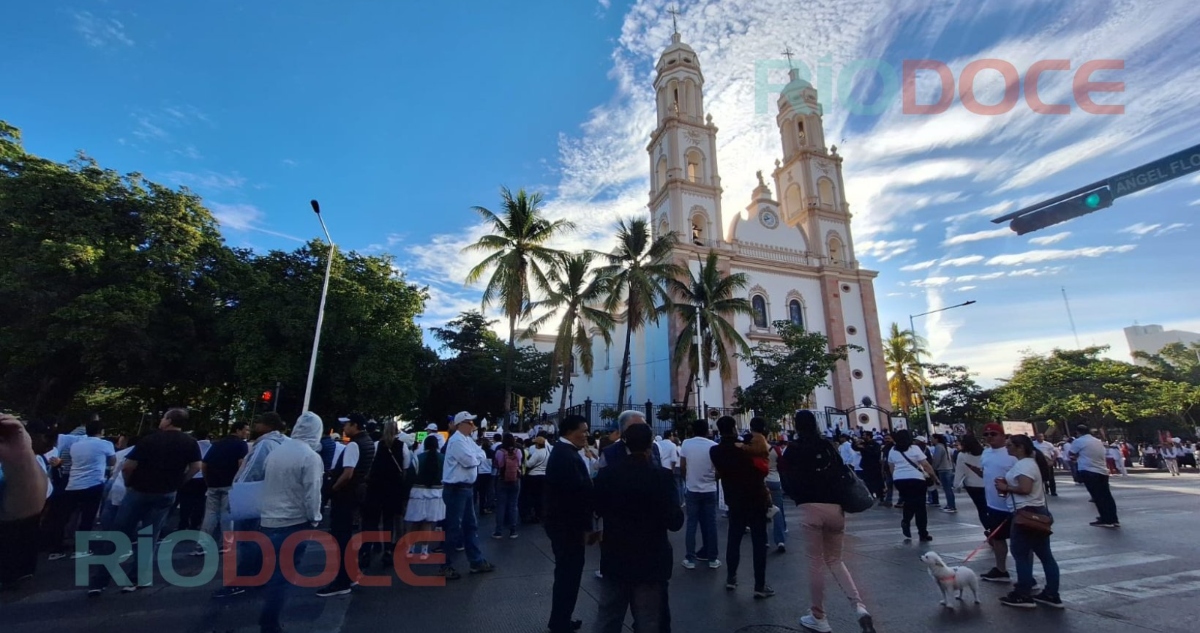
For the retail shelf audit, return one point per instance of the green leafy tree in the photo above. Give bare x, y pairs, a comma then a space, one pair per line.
573, 298
786, 374
519, 259
716, 298
638, 271
956, 398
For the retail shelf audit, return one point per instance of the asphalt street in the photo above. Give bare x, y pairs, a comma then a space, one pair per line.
1141, 577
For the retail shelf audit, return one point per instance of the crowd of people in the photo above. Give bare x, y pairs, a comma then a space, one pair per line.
623, 488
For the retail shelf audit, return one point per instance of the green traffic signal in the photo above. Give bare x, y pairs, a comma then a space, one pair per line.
1092, 201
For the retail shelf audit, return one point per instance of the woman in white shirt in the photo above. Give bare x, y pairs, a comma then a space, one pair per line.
1023, 484
968, 474
1170, 455
911, 473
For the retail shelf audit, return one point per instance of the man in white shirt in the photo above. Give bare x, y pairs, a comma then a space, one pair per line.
700, 480
92, 460
668, 453
459, 472
1047, 449
441, 439
291, 503
996, 463
1088, 454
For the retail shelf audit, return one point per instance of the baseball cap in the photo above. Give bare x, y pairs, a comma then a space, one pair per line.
921, 438
992, 427
432, 426
463, 416
358, 419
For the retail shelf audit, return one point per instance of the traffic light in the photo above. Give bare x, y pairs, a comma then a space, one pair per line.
1068, 209
267, 396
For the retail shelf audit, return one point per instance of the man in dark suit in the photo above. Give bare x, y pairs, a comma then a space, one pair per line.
568, 512
639, 503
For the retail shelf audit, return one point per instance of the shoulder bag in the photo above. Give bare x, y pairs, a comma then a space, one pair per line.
929, 481
1033, 523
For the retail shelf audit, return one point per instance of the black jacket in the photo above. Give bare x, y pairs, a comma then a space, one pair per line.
742, 481
639, 504
568, 491
810, 472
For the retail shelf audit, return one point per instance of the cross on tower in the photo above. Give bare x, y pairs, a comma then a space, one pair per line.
787, 52
674, 11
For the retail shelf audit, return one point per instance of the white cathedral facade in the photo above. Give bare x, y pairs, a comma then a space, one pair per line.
796, 248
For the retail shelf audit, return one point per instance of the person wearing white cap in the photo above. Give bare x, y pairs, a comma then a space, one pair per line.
459, 472
432, 427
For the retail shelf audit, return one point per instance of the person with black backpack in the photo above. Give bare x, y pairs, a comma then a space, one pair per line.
508, 461
811, 473
391, 478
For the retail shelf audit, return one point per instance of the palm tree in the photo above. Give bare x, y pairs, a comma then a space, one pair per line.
717, 298
574, 292
519, 256
638, 270
905, 376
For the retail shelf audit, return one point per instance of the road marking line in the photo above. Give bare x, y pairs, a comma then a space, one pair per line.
1141, 589
1109, 561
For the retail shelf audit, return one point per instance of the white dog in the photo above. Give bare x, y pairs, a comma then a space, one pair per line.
950, 579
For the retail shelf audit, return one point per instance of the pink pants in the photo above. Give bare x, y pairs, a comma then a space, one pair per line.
824, 527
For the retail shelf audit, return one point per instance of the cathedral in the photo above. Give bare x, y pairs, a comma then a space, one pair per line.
795, 247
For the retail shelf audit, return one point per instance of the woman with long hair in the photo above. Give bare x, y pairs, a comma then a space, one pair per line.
387, 492
810, 472
425, 505
968, 474
509, 460
911, 474
1023, 484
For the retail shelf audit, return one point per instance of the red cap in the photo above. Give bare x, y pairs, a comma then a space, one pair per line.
993, 427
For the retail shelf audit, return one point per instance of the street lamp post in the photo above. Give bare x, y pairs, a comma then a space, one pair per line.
312, 363
698, 341
912, 328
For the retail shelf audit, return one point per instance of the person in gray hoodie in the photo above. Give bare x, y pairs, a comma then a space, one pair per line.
291, 503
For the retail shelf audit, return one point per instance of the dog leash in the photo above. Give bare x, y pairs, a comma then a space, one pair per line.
986, 540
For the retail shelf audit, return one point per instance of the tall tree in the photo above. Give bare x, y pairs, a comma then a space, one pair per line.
519, 259
786, 375
955, 397
716, 297
638, 270
573, 297
905, 377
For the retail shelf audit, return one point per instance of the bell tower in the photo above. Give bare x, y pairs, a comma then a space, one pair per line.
685, 186
809, 178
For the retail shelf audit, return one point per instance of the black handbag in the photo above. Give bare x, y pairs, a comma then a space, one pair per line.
853, 494
930, 482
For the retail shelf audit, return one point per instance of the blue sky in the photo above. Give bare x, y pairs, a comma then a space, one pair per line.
400, 116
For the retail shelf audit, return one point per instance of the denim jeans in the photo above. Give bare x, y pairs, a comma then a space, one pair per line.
780, 525
1024, 547
276, 590
645, 600
149, 510
946, 477
1097, 487
462, 527
702, 511
507, 495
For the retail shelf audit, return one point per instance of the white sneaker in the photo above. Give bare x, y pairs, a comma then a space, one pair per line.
949, 510
57, 556
771, 512
599, 575
81, 554
714, 564
688, 564
813, 624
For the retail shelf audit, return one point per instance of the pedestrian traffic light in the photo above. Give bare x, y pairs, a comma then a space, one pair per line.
266, 396
1068, 209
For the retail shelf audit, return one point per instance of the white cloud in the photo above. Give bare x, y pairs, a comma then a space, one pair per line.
1140, 229
1171, 228
244, 217
883, 250
917, 228
978, 236
1037, 256
931, 282
99, 32
964, 288
983, 277
206, 181
919, 266
963, 261
1047, 240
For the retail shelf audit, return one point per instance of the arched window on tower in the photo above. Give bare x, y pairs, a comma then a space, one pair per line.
800, 131
825, 190
759, 305
661, 172
796, 313
695, 162
836, 256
